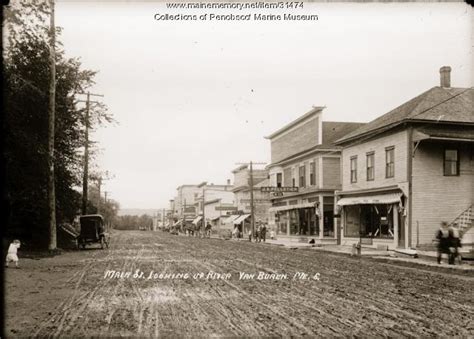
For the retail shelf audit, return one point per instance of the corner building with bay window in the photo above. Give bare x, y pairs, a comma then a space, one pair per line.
303, 155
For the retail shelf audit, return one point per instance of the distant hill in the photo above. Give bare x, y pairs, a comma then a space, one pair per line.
138, 211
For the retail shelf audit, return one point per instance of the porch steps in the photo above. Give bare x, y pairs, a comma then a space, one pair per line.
465, 220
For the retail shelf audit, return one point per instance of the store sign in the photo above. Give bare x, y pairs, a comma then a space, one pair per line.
277, 194
226, 208
243, 201
279, 189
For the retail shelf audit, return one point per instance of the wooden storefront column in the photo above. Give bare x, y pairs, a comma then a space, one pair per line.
395, 225
321, 216
288, 222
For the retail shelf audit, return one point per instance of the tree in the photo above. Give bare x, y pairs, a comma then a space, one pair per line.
25, 127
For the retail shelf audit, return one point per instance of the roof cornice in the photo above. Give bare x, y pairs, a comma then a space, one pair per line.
316, 109
386, 128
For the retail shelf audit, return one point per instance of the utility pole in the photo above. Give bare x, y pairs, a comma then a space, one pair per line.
203, 185
163, 219
99, 181
252, 208
52, 243
85, 176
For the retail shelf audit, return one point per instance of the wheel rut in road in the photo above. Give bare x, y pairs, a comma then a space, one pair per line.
352, 297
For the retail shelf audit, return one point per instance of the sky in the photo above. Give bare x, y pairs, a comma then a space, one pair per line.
194, 98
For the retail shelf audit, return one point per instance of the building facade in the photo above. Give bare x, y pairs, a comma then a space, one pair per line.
305, 160
215, 198
410, 169
185, 201
242, 191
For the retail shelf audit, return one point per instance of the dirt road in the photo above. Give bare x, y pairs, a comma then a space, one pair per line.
101, 293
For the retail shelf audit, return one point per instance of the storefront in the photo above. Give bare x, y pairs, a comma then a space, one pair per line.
243, 223
372, 219
308, 218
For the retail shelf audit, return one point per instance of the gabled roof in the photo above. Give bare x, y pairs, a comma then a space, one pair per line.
439, 104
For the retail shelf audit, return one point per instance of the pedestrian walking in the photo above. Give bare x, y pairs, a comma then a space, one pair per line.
250, 235
263, 232
12, 254
208, 230
454, 244
442, 235
257, 234
272, 234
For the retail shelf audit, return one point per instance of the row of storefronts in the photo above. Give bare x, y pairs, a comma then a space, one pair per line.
388, 183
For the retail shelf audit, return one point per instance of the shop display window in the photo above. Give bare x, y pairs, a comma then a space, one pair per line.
373, 221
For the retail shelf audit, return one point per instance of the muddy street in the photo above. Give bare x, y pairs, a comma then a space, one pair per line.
157, 284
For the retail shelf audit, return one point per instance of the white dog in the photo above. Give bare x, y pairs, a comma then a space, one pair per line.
12, 253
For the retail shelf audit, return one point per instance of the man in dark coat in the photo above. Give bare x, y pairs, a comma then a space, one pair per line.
442, 235
263, 232
454, 243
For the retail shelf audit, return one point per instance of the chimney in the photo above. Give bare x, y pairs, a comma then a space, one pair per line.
445, 76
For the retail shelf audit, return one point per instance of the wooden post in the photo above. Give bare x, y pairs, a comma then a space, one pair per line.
52, 243
252, 216
85, 175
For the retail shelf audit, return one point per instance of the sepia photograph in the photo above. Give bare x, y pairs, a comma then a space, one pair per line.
237, 169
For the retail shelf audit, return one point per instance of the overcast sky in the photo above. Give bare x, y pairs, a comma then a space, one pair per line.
193, 98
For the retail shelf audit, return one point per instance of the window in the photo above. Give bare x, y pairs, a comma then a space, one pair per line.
370, 166
279, 179
354, 169
302, 176
390, 162
293, 177
451, 162
312, 170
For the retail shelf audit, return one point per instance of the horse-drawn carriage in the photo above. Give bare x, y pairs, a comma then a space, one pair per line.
92, 231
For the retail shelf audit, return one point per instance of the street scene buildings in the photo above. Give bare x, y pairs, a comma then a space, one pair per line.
379, 184
257, 178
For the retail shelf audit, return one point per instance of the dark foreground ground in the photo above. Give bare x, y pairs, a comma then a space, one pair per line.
69, 295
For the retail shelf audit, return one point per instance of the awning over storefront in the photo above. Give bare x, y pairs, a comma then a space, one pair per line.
177, 223
371, 199
215, 218
241, 218
197, 219
230, 219
292, 207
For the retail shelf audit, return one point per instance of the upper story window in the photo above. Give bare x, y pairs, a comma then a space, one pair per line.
451, 162
354, 169
370, 166
279, 179
302, 176
312, 172
390, 162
